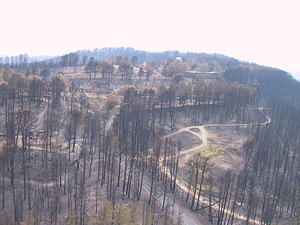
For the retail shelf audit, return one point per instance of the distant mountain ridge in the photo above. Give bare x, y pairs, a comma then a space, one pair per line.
105, 53
143, 56
101, 54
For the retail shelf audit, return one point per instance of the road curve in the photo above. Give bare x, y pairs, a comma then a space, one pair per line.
204, 135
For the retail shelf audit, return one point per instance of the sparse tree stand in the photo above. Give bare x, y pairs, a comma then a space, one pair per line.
107, 71
91, 67
11, 147
141, 73
76, 116
125, 71
57, 87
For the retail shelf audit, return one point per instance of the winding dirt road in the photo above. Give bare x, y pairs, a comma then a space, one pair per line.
188, 217
203, 135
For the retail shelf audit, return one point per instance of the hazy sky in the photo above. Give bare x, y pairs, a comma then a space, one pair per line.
261, 31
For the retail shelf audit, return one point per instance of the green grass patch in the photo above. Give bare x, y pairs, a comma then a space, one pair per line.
210, 150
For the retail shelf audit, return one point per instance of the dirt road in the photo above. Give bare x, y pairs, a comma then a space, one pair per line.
203, 135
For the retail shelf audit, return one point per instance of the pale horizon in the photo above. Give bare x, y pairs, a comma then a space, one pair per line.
262, 32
